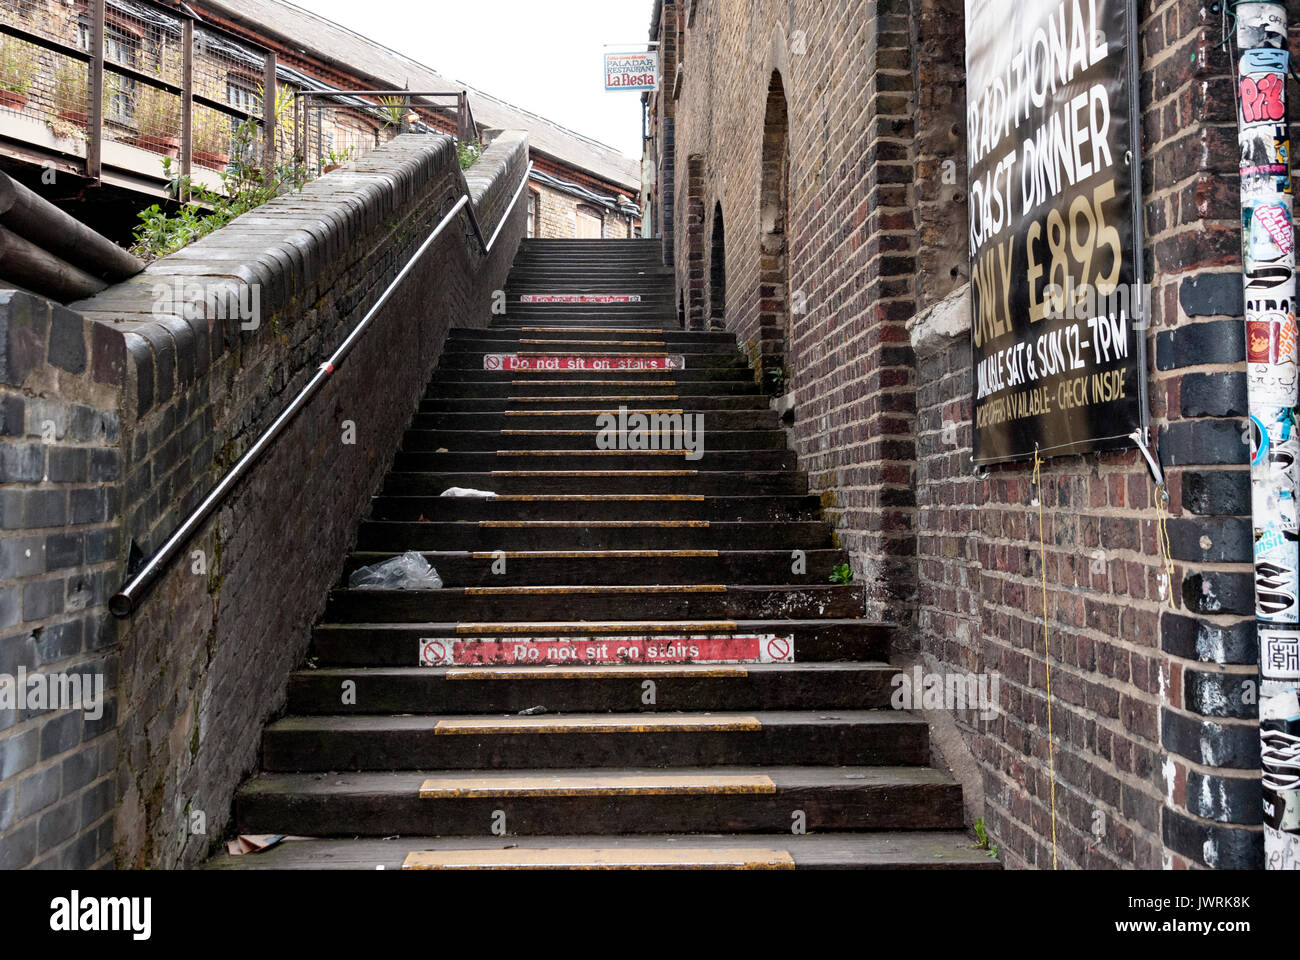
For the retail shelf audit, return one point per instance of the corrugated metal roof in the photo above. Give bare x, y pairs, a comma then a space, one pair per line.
312, 34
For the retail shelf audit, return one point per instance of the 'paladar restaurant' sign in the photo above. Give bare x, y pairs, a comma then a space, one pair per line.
631, 71
1056, 293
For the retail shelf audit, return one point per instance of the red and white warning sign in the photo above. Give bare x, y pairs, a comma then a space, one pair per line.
580, 298
459, 651
511, 362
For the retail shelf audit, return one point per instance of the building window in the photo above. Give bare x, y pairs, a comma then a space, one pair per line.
242, 96
122, 48
534, 214
241, 93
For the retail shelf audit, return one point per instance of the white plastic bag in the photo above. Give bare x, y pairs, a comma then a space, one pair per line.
410, 571
467, 492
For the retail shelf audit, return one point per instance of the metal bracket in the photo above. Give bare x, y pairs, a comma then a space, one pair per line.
1140, 442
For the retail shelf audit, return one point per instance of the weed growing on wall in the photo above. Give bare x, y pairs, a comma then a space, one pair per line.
246, 187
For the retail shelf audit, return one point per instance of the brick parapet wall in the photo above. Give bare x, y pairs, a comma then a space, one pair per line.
204, 661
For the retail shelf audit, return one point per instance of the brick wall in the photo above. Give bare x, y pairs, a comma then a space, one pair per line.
557, 213
60, 470
203, 662
1156, 755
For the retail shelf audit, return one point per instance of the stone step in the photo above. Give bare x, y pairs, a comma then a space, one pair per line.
567, 322
705, 460
484, 535
486, 386
557, 741
592, 689
880, 850
612, 567
579, 401
636, 659
469, 354
670, 480
594, 602
461, 335
668, 428
398, 645
705, 378
579, 418
606, 802
596, 506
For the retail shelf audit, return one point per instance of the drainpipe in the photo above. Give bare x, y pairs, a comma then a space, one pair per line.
1268, 255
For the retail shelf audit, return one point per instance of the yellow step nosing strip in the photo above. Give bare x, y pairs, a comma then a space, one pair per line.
567, 433
607, 383
642, 671
581, 413
593, 473
598, 343
596, 626
604, 524
596, 590
591, 554
640, 398
590, 330
595, 785
599, 497
614, 723
601, 858
590, 453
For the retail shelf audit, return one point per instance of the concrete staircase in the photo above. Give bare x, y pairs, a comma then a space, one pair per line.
518, 743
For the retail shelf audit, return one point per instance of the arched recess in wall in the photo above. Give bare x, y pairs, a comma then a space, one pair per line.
774, 204
718, 272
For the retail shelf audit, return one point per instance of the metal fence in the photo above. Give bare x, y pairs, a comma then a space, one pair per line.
119, 77
334, 126
125, 83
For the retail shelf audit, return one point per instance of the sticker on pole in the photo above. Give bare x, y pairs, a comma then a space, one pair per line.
514, 362
580, 298
604, 650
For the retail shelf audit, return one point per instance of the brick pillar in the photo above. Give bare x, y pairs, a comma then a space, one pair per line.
695, 319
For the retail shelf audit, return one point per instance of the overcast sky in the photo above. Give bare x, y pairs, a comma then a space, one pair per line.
545, 57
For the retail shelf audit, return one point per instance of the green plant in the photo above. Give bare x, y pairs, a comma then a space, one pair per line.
157, 113
842, 573
211, 132
982, 838
71, 89
468, 153
394, 110
245, 187
338, 157
17, 65
776, 379
285, 125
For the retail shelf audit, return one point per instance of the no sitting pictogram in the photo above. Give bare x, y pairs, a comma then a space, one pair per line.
433, 653
778, 648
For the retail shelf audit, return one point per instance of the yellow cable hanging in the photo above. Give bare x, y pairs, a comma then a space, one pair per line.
1164, 544
1047, 654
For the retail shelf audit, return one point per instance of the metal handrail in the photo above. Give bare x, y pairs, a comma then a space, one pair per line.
127, 599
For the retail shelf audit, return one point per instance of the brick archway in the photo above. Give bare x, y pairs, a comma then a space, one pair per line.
774, 205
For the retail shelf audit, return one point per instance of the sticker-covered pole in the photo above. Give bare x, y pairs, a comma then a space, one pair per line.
1268, 253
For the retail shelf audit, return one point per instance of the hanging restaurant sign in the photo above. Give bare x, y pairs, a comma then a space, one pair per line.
1058, 305
631, 71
